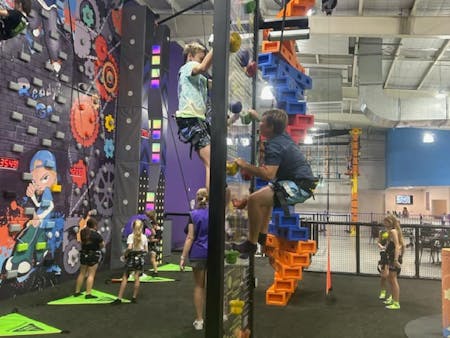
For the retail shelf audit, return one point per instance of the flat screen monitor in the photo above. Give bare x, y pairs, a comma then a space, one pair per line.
404, 199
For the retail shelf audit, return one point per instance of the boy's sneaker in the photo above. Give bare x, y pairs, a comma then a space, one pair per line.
393, 306
198, 324
134, 300
77, 294
388, 300
382, 294
245, 247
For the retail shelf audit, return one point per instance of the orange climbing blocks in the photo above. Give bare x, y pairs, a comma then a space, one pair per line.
272, 241
280, 298
285, 271
309, 246
297, 8
294, 260
286, 285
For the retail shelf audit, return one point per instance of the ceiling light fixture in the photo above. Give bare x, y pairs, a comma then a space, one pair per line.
428, 138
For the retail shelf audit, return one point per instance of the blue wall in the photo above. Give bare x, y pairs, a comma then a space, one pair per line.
410, 162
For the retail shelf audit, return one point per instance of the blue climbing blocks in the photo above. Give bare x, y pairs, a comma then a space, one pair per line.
303, 80
293, 107
267, 59
292, 232
288, 227
272, 228
272, 65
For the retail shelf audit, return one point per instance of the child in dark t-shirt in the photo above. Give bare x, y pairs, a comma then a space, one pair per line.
14, 21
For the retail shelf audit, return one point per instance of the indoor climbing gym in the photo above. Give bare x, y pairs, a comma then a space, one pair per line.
225, 168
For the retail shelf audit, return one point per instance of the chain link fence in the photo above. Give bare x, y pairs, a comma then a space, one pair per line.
354, 250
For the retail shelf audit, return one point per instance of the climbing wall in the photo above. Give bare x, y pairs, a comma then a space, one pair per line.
142, 116
238, 280
57, 137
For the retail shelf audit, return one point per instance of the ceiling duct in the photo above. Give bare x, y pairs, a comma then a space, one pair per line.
393, 111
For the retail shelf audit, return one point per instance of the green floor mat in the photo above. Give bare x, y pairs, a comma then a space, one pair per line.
103, 298
15, 324
172, 267
145, 279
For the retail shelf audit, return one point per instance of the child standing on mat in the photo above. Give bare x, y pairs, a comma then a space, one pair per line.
394, 251
14, 21
196, 246
90, 255
137, 247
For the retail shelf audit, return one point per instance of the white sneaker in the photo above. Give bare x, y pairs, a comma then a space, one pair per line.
198, 324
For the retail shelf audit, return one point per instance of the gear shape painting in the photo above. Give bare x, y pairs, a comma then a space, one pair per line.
82, 42
108, 148
88, 16
84, 121
109, 123
108, 81
89, 69
88, 12
101, 48
103, 189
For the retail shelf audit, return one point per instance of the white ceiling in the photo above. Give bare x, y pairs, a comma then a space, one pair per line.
415, 56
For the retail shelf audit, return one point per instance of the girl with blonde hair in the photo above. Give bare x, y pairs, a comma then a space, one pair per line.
137, 247
394, 251
196, 246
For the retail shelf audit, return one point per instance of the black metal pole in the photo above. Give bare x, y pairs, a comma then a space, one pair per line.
216, 233
180, 12
416, 251
254, 149
358, 248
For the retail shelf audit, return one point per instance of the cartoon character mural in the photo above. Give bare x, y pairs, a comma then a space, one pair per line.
42, 234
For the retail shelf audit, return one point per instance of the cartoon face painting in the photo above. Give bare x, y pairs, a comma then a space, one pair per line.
32, 243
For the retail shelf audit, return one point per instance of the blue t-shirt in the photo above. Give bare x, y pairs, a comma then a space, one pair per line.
283, 152
192, 92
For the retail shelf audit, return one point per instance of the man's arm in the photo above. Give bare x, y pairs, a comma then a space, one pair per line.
204, 65
3, 12
266, 172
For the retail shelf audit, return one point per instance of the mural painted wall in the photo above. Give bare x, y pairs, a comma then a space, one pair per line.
59, 84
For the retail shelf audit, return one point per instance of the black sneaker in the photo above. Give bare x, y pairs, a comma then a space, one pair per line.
262, 239
154, 274
245, 247
117, 301
77, 294
89, 296
134, 300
